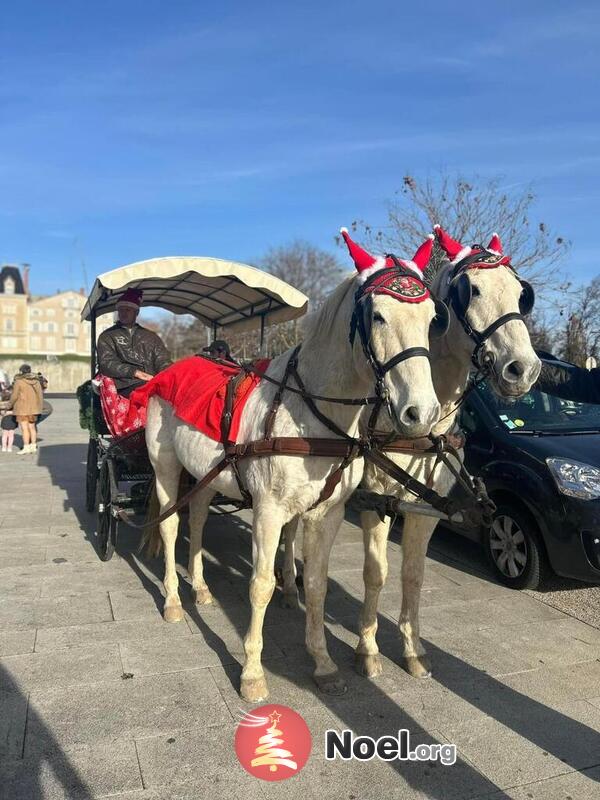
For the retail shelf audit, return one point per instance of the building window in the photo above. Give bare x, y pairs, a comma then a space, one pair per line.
51, 327
9, 342
9, 286
35, 342
35, 312
70, 329
35, 327
50, 312
9, 325
9, 309
50, 343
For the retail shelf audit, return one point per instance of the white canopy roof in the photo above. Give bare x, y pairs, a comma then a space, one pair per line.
217, 292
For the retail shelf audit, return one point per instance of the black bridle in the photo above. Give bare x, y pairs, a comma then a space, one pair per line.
459, 298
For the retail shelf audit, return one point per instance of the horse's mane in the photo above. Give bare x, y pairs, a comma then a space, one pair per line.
319, 325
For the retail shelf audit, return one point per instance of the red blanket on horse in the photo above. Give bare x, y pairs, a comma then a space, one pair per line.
196, 387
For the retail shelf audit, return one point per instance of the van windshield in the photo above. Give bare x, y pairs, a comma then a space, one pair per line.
540, 412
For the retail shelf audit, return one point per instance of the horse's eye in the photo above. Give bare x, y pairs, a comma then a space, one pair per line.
475, 292
378, 318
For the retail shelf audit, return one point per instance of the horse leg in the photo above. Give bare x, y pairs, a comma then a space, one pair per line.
289, 598
318, 539
375, 534
199, 507
416, 534
167, 485
265, 541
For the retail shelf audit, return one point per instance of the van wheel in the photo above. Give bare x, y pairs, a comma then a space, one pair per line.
514, 548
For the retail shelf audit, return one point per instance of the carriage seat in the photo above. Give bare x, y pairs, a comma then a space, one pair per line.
115, 408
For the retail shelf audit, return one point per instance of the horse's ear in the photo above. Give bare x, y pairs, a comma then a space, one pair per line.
495, 245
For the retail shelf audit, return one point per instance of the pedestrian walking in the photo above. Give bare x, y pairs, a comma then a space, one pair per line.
27, 400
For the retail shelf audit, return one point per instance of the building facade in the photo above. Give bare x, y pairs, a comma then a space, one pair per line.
43, 326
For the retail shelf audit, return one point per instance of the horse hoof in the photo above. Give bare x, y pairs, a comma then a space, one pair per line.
173, 614
331, 684
202, 597
289, 600
254, 690
368, 665
418, 666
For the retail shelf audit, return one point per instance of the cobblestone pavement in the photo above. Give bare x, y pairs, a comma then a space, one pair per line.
100, 698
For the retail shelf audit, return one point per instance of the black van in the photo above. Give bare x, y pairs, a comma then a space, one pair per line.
540, 459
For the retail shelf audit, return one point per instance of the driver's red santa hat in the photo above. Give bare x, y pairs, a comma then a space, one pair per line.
131, 298
366, 264
456, 252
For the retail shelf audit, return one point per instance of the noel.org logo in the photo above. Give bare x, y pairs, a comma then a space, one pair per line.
272, 742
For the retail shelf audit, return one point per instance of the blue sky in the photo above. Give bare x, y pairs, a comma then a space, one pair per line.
134, 129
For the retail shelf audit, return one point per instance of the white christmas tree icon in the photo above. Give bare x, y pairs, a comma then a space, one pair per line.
269, 753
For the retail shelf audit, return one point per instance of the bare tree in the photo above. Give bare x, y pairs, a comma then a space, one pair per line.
580, 336
470, 210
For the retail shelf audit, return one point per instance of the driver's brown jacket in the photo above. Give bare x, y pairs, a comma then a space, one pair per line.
122, 351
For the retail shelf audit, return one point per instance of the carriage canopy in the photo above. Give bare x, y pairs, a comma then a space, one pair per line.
219, 293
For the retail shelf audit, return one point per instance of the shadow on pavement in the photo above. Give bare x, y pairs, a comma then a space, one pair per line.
29, 777
230, 566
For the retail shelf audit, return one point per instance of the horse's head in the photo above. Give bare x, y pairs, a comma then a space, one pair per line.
489, 301
391, 324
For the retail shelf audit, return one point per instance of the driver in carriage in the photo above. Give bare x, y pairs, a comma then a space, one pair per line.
128, 353
128, 357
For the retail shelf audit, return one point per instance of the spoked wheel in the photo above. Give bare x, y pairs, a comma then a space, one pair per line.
91, 475
514, 549
107, 523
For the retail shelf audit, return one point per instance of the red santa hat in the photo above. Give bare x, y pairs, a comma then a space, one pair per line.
456, 252
131, 298
367, 265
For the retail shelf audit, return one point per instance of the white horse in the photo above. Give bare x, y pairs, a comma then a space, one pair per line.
283, 487
488, 295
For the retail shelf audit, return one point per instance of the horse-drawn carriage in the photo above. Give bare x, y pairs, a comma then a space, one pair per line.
224, 295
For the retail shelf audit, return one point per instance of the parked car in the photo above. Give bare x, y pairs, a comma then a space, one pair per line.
540, 459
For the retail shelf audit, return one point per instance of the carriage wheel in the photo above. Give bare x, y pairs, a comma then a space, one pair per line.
107, 524
91, 475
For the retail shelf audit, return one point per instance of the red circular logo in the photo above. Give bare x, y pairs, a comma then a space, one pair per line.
272, 742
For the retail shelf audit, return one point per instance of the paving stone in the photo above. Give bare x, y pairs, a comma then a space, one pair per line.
534, 743
552, 684
134, 603
74, 552
128, 709
69, 667
79, 773
171, 760
78, 579
19, 553
150, 627
13, 713
17, 613
191, 652
571, 786
14, 643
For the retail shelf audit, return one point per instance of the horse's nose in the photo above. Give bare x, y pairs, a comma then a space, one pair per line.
419, 417
513, 371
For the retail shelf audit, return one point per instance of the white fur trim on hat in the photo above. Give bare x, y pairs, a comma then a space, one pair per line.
343, 230
378, 264
461, 254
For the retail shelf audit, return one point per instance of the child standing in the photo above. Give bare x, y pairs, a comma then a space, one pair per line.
8, 424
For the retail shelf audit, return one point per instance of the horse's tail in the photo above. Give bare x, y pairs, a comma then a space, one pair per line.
151, 538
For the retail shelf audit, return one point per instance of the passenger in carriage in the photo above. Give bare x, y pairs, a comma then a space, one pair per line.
129, 353
219, 349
